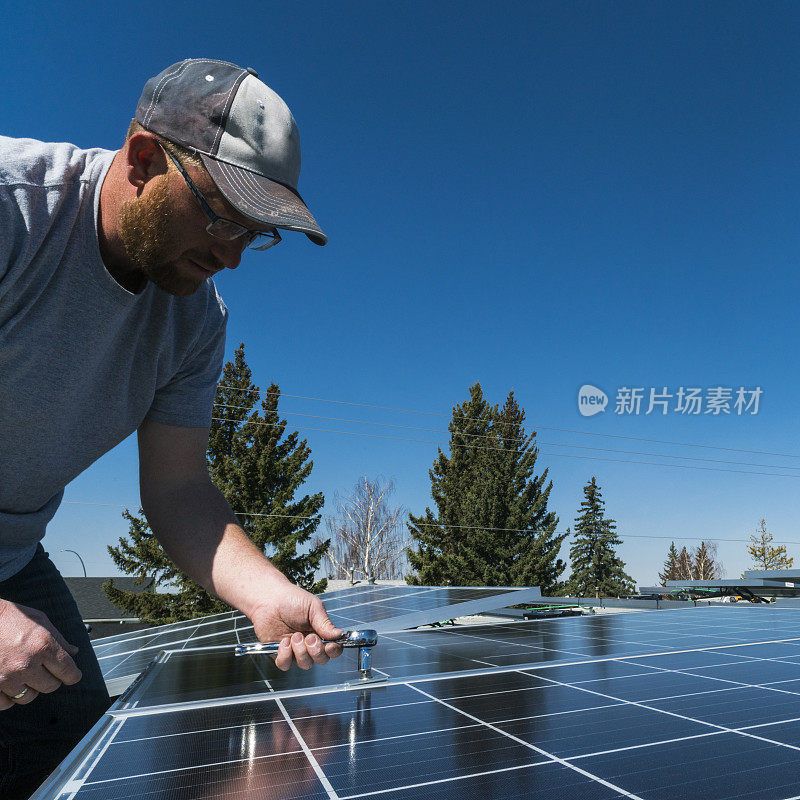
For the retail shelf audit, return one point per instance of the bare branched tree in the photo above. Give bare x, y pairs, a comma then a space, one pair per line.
367, 537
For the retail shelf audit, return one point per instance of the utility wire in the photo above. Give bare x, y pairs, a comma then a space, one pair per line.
541, 452
532, 425
531, 438
453, 527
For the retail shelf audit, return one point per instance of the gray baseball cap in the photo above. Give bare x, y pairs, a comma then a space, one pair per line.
243, 131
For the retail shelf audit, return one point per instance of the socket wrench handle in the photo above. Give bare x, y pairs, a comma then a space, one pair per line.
363, 638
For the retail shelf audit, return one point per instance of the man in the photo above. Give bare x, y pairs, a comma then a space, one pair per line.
109, 323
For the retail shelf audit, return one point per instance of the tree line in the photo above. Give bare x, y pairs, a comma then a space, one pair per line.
489, 523
701, 562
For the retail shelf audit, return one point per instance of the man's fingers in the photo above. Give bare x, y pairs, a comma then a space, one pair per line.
301, 655
60, 640
28, 695
316, 649
42, 680
5, 702
333, 650
285, 656
61, 665
321, 623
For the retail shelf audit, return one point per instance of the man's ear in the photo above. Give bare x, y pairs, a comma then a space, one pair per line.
144, 159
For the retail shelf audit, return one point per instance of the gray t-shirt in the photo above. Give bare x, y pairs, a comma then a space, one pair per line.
82, 361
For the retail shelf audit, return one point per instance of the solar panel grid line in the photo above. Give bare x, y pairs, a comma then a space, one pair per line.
166, 626
771, 686
141, 677
422, 647
385, 590
582, 709
194, 630
161, 645
460, 609
173, 770
456, 697
721, 728
255, 697
516, 644
147, 678
652, 633
108, 641
578, 683
769, 724
168, 636
664, 740
539, 750
117, 665
743, 657
323, 779
208, 648
135, 709
671, 650
659, 743
439, 781
296, 718
142, 681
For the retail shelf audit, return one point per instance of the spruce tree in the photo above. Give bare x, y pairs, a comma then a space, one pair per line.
671, 570
259, 470
704, 562
529, 549
439, 557
684, 565
596, 568
492, 526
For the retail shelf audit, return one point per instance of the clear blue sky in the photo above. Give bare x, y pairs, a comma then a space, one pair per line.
532, 195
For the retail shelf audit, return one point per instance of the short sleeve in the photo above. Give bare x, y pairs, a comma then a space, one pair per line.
187, 400
13, 230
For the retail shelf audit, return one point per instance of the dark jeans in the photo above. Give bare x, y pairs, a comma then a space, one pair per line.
35, 738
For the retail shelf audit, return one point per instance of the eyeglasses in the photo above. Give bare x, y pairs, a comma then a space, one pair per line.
227, 229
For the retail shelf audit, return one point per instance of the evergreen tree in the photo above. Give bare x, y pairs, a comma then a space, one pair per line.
596, 568
439, 539
259, 470
684, 565
671, 569
704, 562
491, 525
528, 551
765, 555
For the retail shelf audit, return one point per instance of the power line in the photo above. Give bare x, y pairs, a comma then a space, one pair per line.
542, 452
492, 437
453, 527
532, 425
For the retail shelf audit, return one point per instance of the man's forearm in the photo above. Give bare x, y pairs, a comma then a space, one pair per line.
200, 533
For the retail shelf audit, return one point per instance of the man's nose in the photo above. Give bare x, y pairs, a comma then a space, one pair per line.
228, 253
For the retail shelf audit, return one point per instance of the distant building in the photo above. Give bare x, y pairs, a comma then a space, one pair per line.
97, 611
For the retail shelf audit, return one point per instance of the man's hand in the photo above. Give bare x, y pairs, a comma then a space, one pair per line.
34, 656
287, 615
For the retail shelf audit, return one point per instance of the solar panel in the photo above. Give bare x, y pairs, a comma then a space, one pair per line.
699, 703
382, 607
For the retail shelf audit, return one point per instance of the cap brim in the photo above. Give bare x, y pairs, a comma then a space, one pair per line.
263, 200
